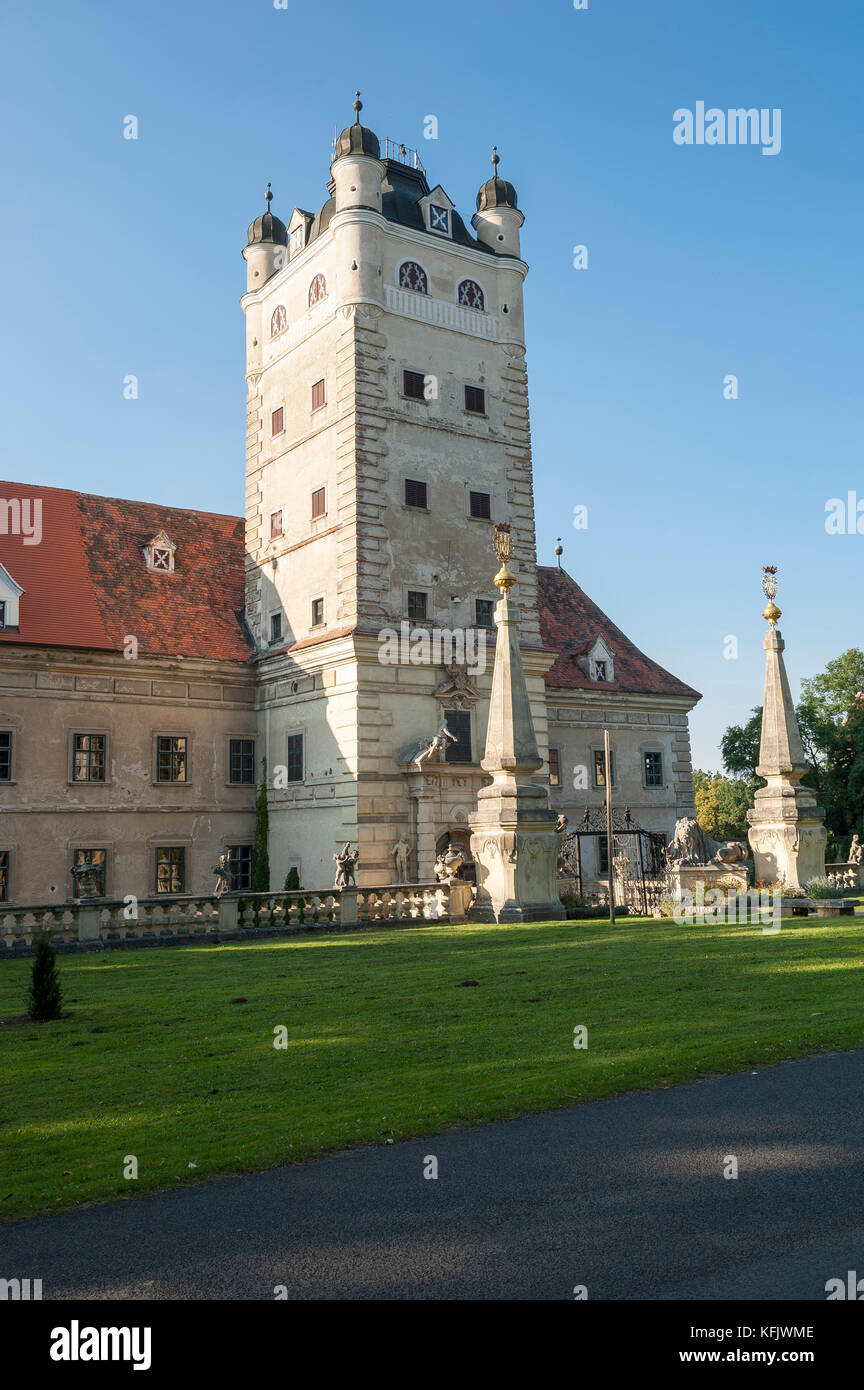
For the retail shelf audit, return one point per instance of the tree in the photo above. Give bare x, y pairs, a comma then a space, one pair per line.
292, 881
260, 850
722, 803
835, 693
45, 993
739, 746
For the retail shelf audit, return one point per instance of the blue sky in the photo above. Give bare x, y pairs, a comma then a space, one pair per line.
124, 257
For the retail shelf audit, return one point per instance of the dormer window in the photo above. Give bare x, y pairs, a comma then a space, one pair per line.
439, 219
295, 241
600, 671
10, 593
598, 661
159, 554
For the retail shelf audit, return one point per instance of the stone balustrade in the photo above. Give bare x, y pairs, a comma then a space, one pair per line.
844, 875
97, 924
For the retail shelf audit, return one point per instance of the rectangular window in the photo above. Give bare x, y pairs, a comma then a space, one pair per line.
5, 755
171, 869
240, 867
415, 493
417, 612
484, 612
481, 506
318, 394
4, 875
88, 764
2, 614
276, 525
554, 768
654, 769
241, 762
318, 502
171, 761
277, 421
275, 627
414, 385
475, 400
294, 757
317, 612
459, 723
600, 767
88, 873
601, 670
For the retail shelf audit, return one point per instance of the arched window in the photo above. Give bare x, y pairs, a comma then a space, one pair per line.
279, 321
413, 277
471, 295
317, 290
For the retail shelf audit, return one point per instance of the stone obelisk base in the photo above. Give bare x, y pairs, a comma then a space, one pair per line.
514, 843
787, 834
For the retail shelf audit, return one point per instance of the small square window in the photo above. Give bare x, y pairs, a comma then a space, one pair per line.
171, 869
317, 612
414, 385
276, 525
481, 506
161, 560
439, 218
484, 612
415, 494
600, 767
318, 395
601, 671
88, 763
417, 606
554, 768
475, 400
241, 762
294, 757
277, 421
171, 759
318, 503
654, 769
275, 627
5, 755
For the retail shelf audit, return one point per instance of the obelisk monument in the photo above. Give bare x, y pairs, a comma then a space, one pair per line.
514, 841
787, 834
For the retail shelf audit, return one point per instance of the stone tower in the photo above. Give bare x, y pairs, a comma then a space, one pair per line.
387, 430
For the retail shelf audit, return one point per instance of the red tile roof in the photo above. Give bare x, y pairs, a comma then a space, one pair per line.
86, 584
571, 623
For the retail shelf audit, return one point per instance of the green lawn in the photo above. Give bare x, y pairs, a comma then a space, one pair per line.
385, 1041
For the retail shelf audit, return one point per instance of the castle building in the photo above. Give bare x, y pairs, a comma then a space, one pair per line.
163, 657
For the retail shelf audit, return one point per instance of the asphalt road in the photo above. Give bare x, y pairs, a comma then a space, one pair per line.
626, 1197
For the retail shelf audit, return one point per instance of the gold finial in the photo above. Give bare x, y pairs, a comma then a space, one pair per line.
772, 613
503, 542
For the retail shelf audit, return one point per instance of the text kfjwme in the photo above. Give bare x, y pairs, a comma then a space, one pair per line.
738, 126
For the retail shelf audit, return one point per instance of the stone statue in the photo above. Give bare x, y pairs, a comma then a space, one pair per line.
434, 748
400, 855
223, 875
691, 845
856, 851
448, 864
346, 863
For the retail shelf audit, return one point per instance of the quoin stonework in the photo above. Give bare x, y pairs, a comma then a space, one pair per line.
151, 659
